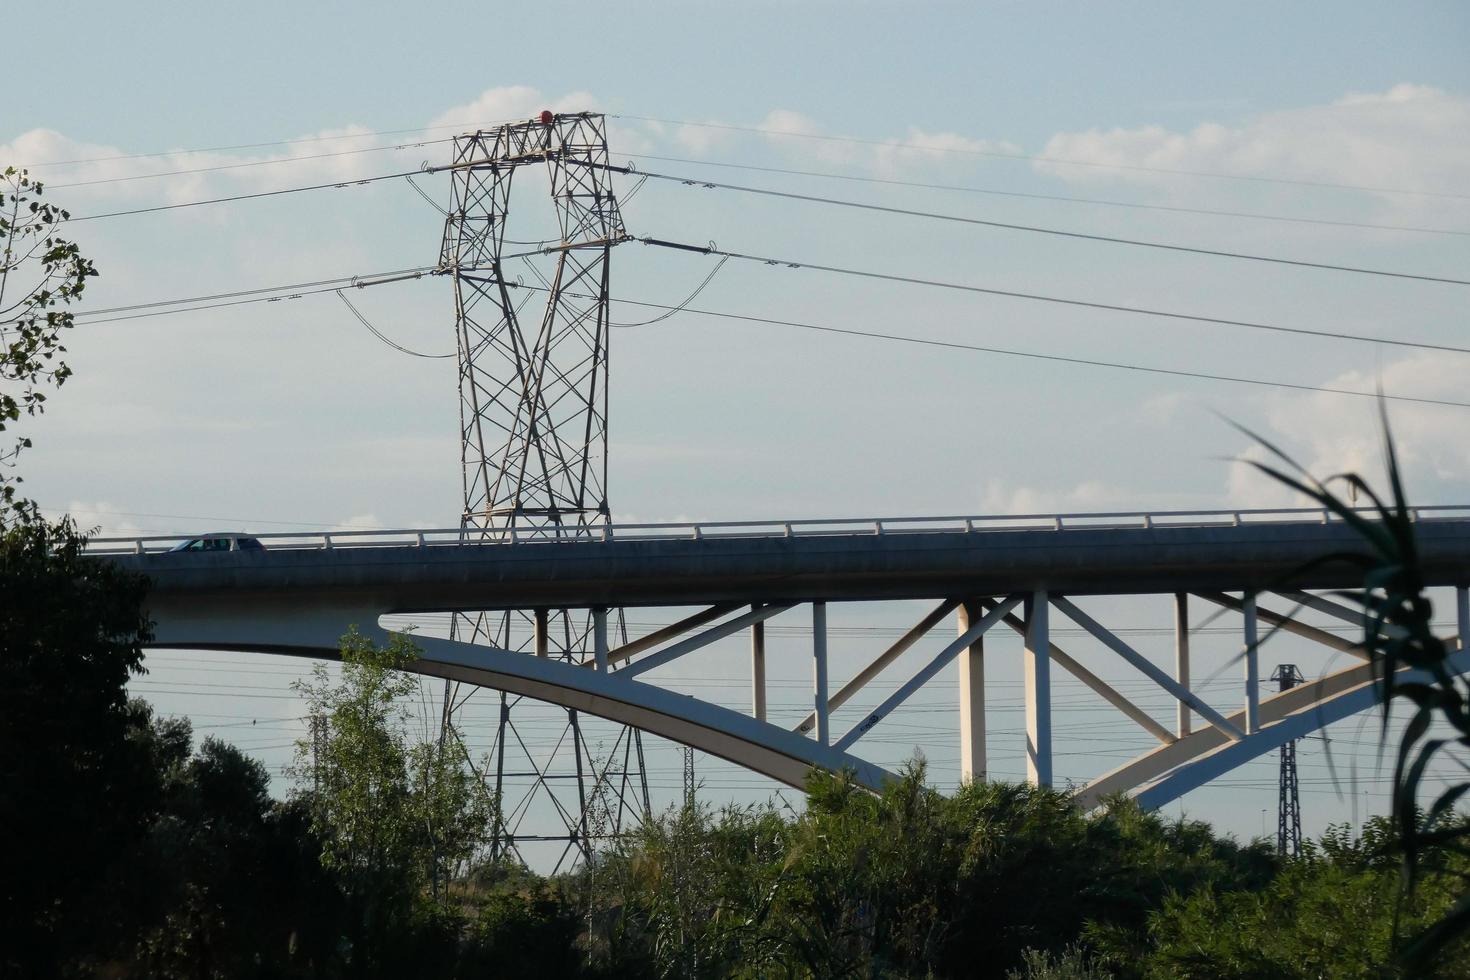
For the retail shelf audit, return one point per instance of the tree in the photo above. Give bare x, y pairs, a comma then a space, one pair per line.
226, 884
79, 788
40, 274
390, 813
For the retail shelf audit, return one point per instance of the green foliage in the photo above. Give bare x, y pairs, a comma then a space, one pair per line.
40, 273
79, 789
225, 884
1399, 633
383, 804
1073, 963
1333, 915
355, 761
394, 816
906, 883
524, 934
691, 893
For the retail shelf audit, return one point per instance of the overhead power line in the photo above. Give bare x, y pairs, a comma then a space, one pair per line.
262, 293
272, 294
276, 293
256, 146
383, 337
277, 161
1043, 298
247, 197
1063, 198
1058, 358
1036, 158
1034, 229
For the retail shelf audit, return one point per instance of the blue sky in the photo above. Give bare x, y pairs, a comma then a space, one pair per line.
261, 415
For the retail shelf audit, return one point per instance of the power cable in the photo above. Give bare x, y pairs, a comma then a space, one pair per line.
385, 339
971, 151
1088, 362
407, 174
687, 299
263, 294
277, 293
421, 193
256, 146
329, 285
961, 188
245, 165
1034, 229
1043, 298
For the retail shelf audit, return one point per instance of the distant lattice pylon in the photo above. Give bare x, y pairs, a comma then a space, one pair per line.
1288, 802
533, 423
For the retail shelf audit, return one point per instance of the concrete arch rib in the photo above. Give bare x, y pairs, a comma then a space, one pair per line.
1168, 772
758, 746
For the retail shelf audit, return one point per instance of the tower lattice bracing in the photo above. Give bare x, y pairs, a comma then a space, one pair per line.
533, 417
1288, 802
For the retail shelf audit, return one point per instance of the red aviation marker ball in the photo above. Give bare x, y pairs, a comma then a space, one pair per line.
546, 117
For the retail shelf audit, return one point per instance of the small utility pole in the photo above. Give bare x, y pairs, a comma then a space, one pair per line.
1288, 802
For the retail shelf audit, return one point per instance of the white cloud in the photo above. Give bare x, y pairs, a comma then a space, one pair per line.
1329, 434
508, 104
1249, 488
104, 517
921, 147
1001, 498
1411, 136
700, 139
332, 154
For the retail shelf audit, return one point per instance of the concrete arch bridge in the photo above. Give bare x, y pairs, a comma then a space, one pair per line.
298, 594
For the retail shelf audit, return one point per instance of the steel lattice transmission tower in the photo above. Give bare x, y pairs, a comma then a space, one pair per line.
1288, 800
533, 419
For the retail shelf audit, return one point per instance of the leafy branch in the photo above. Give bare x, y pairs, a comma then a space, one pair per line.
31, 317
1398, 634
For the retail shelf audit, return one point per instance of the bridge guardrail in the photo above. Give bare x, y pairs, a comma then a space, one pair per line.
821, 527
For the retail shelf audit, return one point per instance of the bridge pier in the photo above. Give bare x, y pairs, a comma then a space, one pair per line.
1036, 658
972, 697
1181, 659
819, 671
1462, 615
758, 671
1251, 657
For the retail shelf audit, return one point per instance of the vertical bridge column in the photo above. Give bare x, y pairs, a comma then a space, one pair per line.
1252, 657
1181, 658
972, 697
541, 640
758, 670
819, 670
599, 639
1037, 663
1462, 610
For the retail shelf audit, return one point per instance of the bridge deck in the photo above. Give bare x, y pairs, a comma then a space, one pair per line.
414, 571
